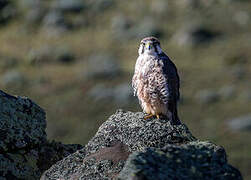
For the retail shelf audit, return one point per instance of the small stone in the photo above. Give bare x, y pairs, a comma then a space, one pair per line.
48, 54
99, 6
207, 96
54, 19
193, 35
242, 18
54, 23
227, 92
242, 123
63, 55
102, 66
13, 78
69, 5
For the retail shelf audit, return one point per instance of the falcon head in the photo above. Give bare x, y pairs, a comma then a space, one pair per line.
149, 46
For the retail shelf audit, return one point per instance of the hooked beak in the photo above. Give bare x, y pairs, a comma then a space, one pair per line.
148, 46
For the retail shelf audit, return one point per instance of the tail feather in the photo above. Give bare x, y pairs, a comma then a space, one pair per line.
175, 117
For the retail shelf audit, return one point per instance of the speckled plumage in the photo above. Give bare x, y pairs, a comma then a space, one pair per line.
156, 81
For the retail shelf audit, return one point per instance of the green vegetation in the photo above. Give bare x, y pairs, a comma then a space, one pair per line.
50, 51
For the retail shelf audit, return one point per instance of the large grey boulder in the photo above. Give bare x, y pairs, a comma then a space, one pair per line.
25, 152
194, 160
22, 123
156, 148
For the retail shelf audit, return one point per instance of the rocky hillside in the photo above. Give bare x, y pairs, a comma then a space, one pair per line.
75, 58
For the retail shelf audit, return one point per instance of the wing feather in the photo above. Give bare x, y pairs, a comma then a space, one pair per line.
135, 78
170, 70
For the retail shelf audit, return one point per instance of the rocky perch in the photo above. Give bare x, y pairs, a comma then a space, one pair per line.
126, 147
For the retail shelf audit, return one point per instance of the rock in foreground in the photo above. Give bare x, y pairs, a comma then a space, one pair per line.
194, 160
156, 150
25, 152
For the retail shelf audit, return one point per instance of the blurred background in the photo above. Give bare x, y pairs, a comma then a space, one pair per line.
76, 58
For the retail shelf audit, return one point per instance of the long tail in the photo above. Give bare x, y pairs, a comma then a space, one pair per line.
175, 117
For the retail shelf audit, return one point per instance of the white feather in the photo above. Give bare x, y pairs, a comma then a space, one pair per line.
140, 49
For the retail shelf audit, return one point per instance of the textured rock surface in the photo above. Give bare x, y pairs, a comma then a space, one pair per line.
24, 149
158, 150
104, 156
22, 123
194, 160
125, 147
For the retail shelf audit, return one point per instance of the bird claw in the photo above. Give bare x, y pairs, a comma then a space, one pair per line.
151, 115
148, 116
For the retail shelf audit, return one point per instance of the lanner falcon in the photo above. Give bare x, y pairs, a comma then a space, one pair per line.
156, 81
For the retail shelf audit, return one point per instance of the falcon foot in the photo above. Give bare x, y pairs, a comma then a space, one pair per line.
148, 116
151, 115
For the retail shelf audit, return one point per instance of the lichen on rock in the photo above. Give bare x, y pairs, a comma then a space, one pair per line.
128, 147
125, 147
194, 160
106, 153
25, 152
22, 123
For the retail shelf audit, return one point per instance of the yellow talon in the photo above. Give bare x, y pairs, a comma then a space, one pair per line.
157, 115
148, 116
